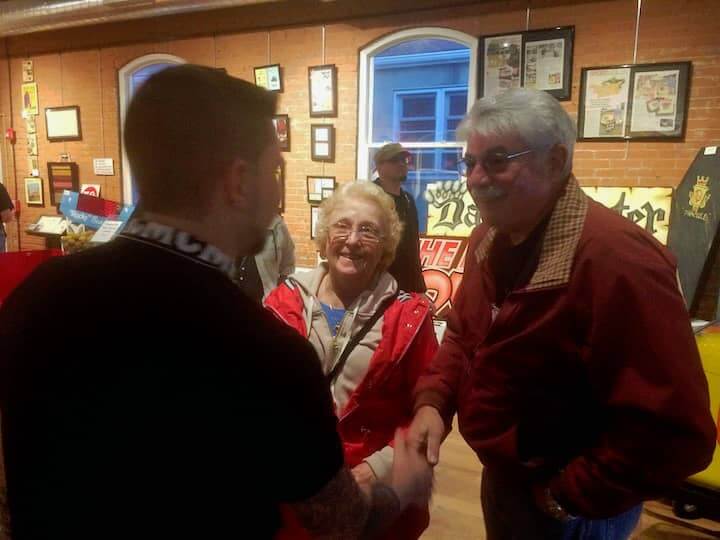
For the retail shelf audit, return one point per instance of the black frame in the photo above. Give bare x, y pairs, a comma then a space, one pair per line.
74, 179
315, 177
284, 145
681, 113
566, 33
56, 138
323, 113
280, 77
314, 128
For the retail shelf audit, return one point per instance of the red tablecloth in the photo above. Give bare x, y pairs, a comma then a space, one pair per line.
15, 266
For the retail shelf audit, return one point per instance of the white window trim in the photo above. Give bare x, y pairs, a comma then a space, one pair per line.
440, 94
125, 74
366, 83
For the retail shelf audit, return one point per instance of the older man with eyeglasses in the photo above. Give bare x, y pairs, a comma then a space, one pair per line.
569, 356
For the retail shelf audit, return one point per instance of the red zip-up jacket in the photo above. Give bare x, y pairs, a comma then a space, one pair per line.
590, 370
382, 402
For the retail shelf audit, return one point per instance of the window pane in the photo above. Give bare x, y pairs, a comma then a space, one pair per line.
431, 66
418, 106
457, 104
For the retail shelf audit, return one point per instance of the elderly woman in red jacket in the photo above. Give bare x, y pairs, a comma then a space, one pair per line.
373, 340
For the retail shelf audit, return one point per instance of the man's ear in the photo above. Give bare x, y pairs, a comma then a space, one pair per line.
557, 158
236, 182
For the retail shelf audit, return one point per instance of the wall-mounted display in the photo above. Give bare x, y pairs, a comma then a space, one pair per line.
634, 101
269, 77
33, 166
322, 82
28, 74
322, 142
280, 178
63, 123
319, 188
30, 124
282, 130
540, 59
62, 176
32, 146
34, 191
314, 215
30, 98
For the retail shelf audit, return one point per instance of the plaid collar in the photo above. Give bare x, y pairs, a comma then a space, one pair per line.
559, 243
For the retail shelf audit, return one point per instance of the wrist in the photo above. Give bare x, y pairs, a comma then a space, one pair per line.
549, 505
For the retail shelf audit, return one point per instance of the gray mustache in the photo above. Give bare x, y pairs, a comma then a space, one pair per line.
487, 193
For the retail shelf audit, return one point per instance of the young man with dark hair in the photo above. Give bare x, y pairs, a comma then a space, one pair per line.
143, 395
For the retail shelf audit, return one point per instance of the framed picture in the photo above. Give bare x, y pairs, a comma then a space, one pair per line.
322, 82
314, 215
62, 175
63, 123
280, 178
32, 146
33, 166
540, 59
28, 74
30, 98
30, 124
269, 77
634, 101
34, 191
282, 130
319, 188
322, 142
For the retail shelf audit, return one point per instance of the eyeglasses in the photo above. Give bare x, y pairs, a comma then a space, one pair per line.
492, 162
367, 234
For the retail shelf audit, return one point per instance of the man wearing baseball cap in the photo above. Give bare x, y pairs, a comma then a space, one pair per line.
391, 163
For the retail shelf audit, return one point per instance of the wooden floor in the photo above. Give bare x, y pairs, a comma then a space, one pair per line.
455, 512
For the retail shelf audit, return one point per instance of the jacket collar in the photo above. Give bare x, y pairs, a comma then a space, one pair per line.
559, 243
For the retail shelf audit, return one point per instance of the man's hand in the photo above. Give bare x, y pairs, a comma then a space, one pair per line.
412, 476
426, 433
364, 476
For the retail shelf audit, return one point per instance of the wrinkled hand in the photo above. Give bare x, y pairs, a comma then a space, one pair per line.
412, 476
364, 476
426, 433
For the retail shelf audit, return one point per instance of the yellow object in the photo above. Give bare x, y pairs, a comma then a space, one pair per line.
708, 341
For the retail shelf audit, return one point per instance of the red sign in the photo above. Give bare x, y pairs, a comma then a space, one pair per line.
443, 263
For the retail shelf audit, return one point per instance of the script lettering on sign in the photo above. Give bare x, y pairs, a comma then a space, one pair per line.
451, 210
647, 207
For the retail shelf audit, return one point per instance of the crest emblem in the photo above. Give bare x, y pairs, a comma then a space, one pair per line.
700, 193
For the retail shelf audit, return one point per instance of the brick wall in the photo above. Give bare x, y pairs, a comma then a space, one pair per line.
605, 33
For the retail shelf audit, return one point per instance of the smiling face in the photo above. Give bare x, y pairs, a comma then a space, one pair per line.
351, 251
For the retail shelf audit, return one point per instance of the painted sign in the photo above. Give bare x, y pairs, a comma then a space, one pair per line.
443, 263
451, 210
647, 207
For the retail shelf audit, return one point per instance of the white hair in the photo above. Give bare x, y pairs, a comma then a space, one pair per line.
534, 115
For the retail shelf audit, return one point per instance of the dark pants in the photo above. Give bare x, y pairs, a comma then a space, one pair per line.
511, 514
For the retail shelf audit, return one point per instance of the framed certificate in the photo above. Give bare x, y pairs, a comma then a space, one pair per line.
322, 82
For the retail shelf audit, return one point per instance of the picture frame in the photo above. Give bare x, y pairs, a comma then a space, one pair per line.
540, 59
34, 191
322, 90
319, 188
32, 144
269, 77
314, 215
634, 102
281, 122
33, 166
30, 124
28, 73
322, 142
63, 123
30, 98
280, 178
62, 175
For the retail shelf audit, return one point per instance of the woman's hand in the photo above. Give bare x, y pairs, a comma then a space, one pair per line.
364, 476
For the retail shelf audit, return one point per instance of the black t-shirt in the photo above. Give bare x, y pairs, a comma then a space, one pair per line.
5, 204
144, 396
405, 268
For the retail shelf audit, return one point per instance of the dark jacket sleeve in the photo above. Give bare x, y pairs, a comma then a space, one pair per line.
440, 384
645, 368
418, 281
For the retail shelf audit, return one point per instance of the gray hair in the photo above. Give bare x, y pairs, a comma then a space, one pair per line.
534, 115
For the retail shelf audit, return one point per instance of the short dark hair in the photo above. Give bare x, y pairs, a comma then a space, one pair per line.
185, 126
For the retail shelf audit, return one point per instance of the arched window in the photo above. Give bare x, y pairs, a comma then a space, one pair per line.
130, 78
415, 87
